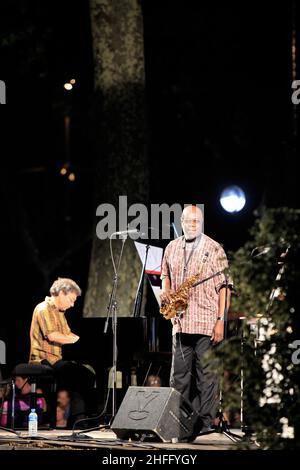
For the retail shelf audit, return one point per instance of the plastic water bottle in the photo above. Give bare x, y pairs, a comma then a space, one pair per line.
32, 423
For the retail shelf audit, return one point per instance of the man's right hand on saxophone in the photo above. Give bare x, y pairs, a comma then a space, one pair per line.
165, 296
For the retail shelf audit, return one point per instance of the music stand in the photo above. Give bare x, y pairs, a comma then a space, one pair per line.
139, 293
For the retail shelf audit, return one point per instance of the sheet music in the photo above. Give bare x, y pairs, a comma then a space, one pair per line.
153, 265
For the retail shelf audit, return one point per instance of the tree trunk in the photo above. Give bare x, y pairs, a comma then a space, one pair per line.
119, 132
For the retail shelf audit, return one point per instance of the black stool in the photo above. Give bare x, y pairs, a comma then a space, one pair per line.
34, 372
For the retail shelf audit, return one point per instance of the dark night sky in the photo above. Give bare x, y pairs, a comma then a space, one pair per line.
218, 81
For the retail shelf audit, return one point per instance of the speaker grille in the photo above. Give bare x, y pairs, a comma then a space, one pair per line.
154, 411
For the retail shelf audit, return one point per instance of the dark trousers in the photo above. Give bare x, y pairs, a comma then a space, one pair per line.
188, 351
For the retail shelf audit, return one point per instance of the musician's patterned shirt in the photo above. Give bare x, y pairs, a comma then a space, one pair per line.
203, 302
46, 319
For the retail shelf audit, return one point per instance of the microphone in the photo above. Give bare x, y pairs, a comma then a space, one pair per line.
262, 250
124, 232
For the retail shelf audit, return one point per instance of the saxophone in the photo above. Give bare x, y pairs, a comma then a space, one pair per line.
179, 298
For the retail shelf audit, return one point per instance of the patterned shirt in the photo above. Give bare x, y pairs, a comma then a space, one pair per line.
22, 408
203, 301
46, 319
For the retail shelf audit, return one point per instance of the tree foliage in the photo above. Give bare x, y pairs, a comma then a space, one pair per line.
267, 288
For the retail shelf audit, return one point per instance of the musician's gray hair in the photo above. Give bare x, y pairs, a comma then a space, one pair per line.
66, 285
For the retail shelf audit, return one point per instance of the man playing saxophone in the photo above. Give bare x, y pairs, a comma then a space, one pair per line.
199, 320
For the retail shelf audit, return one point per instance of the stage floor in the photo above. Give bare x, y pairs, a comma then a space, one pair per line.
106, 439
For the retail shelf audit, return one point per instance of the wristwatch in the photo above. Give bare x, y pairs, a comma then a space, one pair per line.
220, 318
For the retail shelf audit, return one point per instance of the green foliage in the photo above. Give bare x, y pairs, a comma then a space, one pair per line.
24, 37
271, 395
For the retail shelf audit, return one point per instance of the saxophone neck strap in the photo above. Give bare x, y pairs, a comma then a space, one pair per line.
195, 242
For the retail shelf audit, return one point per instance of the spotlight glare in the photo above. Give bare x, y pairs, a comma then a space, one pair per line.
63, 171
73, 81
233, 199
72, 177
68, 86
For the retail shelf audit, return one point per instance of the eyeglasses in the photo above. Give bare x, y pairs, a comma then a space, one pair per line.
191, 221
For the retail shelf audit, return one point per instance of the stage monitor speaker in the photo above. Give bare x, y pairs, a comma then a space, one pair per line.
155, 412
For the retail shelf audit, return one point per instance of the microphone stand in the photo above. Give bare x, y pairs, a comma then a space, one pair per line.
282, 264
223, 424
12, 428
112, 313
140, 289
281, 271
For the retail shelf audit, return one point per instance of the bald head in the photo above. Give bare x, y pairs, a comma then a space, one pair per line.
192, 222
